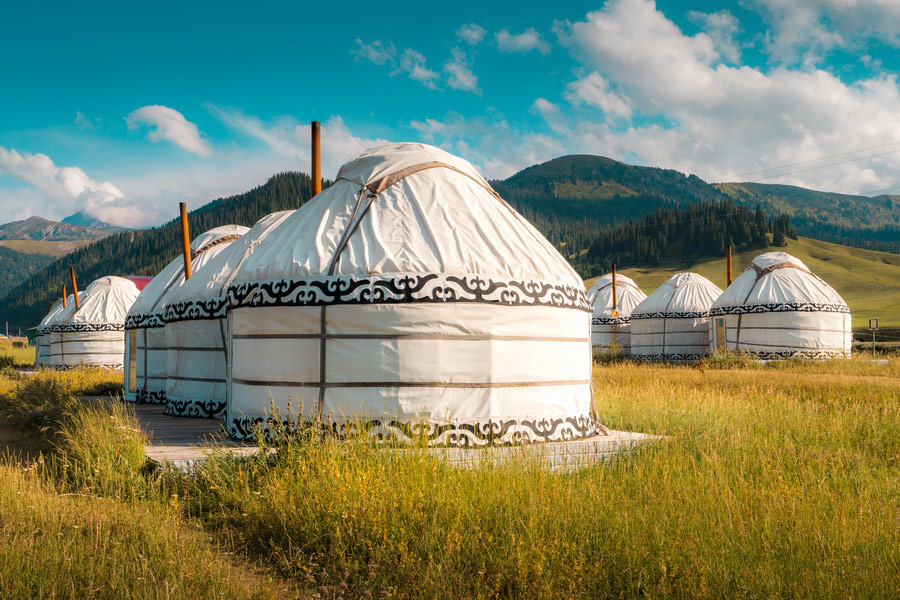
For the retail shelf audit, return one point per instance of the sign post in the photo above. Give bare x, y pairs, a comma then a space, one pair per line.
873, 325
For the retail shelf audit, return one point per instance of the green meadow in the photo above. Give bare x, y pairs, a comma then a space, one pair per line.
772, 481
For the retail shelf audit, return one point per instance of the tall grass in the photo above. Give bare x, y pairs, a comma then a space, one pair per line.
773, 481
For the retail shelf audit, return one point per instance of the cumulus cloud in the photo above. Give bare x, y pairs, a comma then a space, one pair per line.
471, 34
376, 52
169, 124
805, 30
410, 62
459, 74
722, 27
690, 111
61, 191
526, 41
595, 91
413, 64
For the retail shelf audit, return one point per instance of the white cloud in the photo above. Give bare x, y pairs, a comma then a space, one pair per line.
61, 191
526, 41
288, 137
594, 90
413, 64
376, 52
459, 74
691, 112
805, 30
82, 121
169, 124
471, 34
722, 27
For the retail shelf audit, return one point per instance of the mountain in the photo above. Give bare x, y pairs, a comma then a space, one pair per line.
869, 281
147, 251
869, 222
38, 228
568, 195
84, 220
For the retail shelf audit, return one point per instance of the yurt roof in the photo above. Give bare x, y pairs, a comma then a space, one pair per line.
150, 300
682, 295
106, 302
778, 279
54, 323
628, 295
56, 312
408, 209
211, 281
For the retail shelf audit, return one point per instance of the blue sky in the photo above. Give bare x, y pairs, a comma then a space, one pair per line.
124, 109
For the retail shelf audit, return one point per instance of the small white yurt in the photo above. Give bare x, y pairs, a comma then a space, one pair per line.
672, 323
778, 308
409, 299
54, 331
92, 335
195, 328
145, 347
42, 332
611, 332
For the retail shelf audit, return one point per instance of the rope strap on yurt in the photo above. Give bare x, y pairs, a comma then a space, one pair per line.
221, 240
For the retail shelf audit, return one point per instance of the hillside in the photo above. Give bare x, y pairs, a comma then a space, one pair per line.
17, 267
39, 228
47, 248
568, 195
873, 222
869, 281
147, 251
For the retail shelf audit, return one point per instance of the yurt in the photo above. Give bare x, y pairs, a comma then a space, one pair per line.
42, 332
611, 332
672, 323
54, 332
195, 328
92, 335
778, 308
410, 300
145, 347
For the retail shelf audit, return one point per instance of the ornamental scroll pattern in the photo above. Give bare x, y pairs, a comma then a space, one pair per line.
405, 288
744, 309
500, 432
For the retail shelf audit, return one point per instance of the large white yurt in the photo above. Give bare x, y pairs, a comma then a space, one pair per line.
611, 332
408, 298
195, 328
92, 335
42, 332
145, 347
54, 332
672, 323
778, 308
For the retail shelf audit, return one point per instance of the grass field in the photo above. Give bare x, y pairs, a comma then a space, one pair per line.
18, 357
776, 481
49, 248
869, 281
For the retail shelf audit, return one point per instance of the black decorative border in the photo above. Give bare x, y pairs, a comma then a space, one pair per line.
670, 357
74, 327
196, 310
697, 314
145, 320
104, 366
180, 407
406, 288
610, 320
779, 307
785, 354
150, 397
508, 432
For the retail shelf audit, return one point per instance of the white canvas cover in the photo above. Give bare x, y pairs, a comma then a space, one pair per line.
672, 323
778, 308
195, 328
145, 370
54, 359
92, 335
410, 298
613, 332
42, 333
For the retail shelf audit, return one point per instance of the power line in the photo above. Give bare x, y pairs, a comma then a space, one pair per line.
804, 162
828, 165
